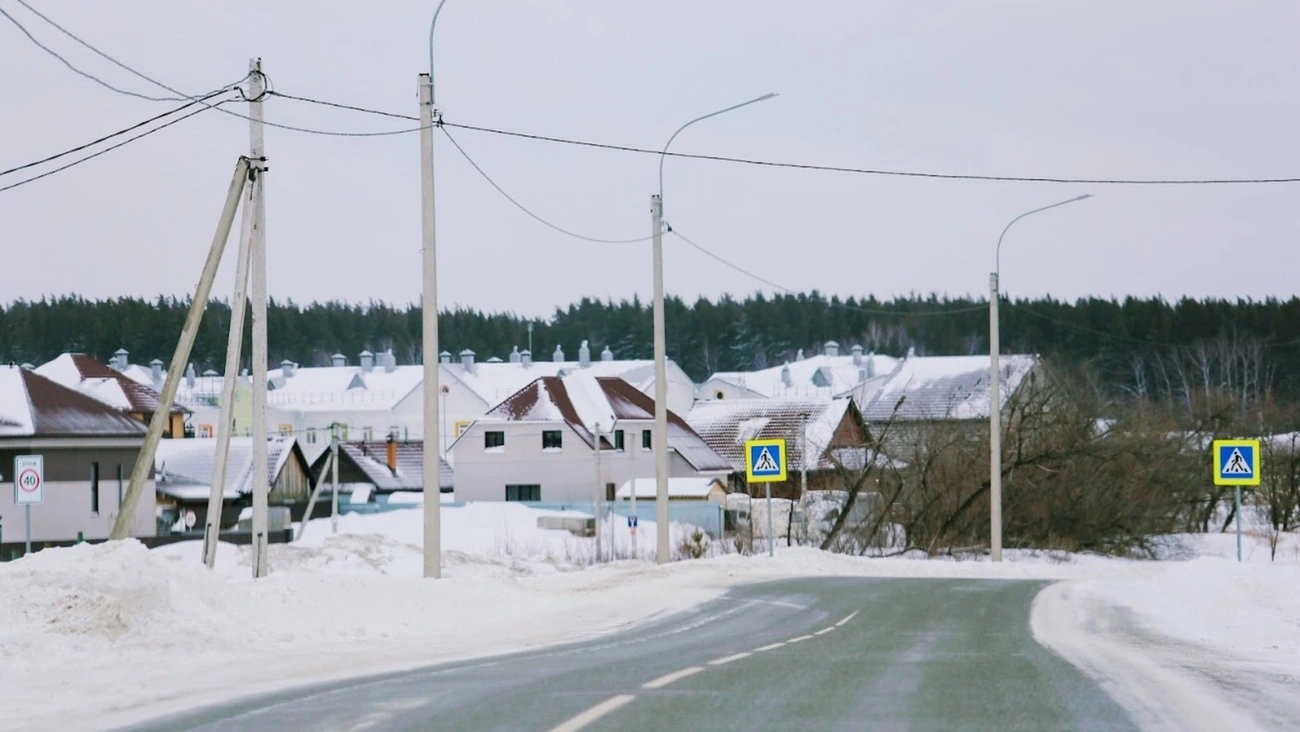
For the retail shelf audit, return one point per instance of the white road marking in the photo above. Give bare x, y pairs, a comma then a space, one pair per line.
800, 638
824, 631
779, 603
769, 647
728, 659
663, 681
845, 620
596, 712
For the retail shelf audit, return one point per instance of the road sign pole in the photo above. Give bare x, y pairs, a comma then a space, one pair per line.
771, 545
1238, 523
27, 548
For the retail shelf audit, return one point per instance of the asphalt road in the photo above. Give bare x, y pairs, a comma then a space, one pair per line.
809, 654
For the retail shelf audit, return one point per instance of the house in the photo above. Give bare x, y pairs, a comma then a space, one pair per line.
826, 375
382, 467
821, 434
540, 444
942, 388
707, 489
96, 380
184, 477
89, 451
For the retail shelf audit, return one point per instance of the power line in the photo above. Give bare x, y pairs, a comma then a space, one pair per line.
349, 107
79, 148
111, 148
523, 208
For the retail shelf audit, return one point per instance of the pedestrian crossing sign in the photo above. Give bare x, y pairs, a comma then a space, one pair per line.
1236, 462
765, 461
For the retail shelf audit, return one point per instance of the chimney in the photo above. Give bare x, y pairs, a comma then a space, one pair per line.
155, 367
189, 376
514, 355
856, 350
832, 349
911, 351
367, 361
584, 356
390, 361
338, 360
392, 453
526, 359
799, 356
121, 359
444, 357
862, 376
286, 368
871, 365
467, 360
785, 375
558, 356
606, 355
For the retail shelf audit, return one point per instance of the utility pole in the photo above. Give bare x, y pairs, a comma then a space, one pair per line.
995, 427
257, 261
660, 439
631, 451
144, 461
334, 478
429, 303
600, 529
225, 423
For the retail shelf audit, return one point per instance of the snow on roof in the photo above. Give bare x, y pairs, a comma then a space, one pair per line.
372, 459
727, 424
97, 380
606, 399
190, 462
819, 375
494, 382
33, 406
677, 488
945, 387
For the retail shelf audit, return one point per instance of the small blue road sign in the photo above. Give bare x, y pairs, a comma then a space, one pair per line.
1236, 462
765, 461
631, 522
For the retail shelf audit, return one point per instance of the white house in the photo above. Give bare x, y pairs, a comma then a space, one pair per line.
825, 375
540, 444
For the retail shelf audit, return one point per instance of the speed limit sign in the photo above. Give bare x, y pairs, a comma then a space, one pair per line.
29, 479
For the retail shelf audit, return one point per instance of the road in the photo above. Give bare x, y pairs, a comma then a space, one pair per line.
807, 654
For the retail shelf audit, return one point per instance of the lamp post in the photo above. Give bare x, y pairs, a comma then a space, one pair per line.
661, 368
995, 404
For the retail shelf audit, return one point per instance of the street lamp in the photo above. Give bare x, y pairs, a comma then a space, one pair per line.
995, 404
429, 317
661, 369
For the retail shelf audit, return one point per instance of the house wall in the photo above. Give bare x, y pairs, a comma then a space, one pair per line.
456, 410
67, 506
565, 475
293, 484
715, 389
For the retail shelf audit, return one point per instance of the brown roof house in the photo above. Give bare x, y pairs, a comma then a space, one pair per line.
88, 450
183, 470
114, 388
540, 444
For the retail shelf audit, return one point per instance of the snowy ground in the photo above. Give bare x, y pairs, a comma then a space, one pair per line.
116, 633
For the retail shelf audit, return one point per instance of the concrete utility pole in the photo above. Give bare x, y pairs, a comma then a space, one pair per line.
660, 441
599, 528
334, 478
144, 462
429, 303
995, 402
257, 265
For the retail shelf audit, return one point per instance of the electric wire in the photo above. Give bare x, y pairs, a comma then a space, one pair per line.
525, 209
111, 148
107, 137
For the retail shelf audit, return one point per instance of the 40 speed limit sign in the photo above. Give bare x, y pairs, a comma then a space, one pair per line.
29, 479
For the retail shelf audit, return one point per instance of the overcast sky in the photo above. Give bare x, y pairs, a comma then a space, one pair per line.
1093, 89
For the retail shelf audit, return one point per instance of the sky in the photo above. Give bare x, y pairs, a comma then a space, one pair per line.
1078, 89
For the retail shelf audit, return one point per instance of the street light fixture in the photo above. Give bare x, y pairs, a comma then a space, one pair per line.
661, 369
995, 404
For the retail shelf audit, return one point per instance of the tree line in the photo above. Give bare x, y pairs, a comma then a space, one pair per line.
1148, 347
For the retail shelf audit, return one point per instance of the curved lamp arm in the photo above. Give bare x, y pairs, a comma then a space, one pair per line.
662, 154
997, 261
431, 27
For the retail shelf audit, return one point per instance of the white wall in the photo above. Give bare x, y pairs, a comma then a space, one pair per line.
565, 475
710, 389
66, 511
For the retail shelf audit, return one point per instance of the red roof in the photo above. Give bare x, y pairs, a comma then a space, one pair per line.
57, 411
143, 399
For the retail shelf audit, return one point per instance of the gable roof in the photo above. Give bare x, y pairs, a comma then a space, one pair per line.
583, 401
34, 406
372, 459
819, 375
727, 424
945, 387
190, 462
493, 382
97, 380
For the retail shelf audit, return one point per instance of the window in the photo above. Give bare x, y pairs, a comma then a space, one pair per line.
94, 489
119, 485
618, 440
311, 436
610, 491
523, 493
461, 425
286, 430
552, 440
645, 439
368, 434
205, 431
493, 439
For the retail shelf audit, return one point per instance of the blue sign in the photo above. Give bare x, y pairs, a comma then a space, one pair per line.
1236, 462
765, 461
631, 522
